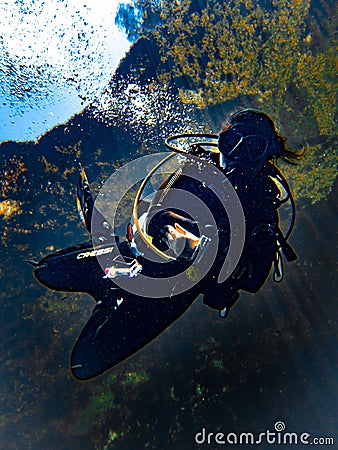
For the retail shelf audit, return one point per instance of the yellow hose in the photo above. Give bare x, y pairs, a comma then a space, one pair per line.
143, 236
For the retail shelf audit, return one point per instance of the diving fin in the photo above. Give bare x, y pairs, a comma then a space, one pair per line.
121, 324
102, 231
84, 199
76, 268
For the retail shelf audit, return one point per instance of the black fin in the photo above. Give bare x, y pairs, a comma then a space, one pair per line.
122, 324
84, 199
102, 232
76, 269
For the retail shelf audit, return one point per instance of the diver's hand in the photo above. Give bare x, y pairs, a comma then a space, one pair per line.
181, 241
163, 218
158, 227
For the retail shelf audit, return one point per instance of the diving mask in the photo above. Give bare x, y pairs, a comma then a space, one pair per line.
230, 141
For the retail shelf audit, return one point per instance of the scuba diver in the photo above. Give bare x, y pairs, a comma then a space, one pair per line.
247, 146
125, 320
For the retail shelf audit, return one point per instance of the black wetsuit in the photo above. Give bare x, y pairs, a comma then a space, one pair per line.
259, 197
122, 322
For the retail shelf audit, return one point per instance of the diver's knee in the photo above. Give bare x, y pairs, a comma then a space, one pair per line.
220, 301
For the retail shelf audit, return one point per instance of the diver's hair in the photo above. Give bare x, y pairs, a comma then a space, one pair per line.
278, 148
287, 155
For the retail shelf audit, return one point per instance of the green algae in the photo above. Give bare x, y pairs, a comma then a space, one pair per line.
113, 436
199, 390
172, 393
313, 177
95, 413
231, 49
135, 378
218, 363
102, 402
276, 57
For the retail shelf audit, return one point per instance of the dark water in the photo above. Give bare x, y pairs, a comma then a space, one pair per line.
274, 359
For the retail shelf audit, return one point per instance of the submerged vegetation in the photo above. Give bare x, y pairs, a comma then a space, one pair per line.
277, 55
105, 399
233, 48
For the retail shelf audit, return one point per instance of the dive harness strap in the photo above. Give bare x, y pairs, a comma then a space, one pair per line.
281, 239
288, 252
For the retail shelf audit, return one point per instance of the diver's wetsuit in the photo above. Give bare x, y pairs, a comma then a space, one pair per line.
259, 199
123, 322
